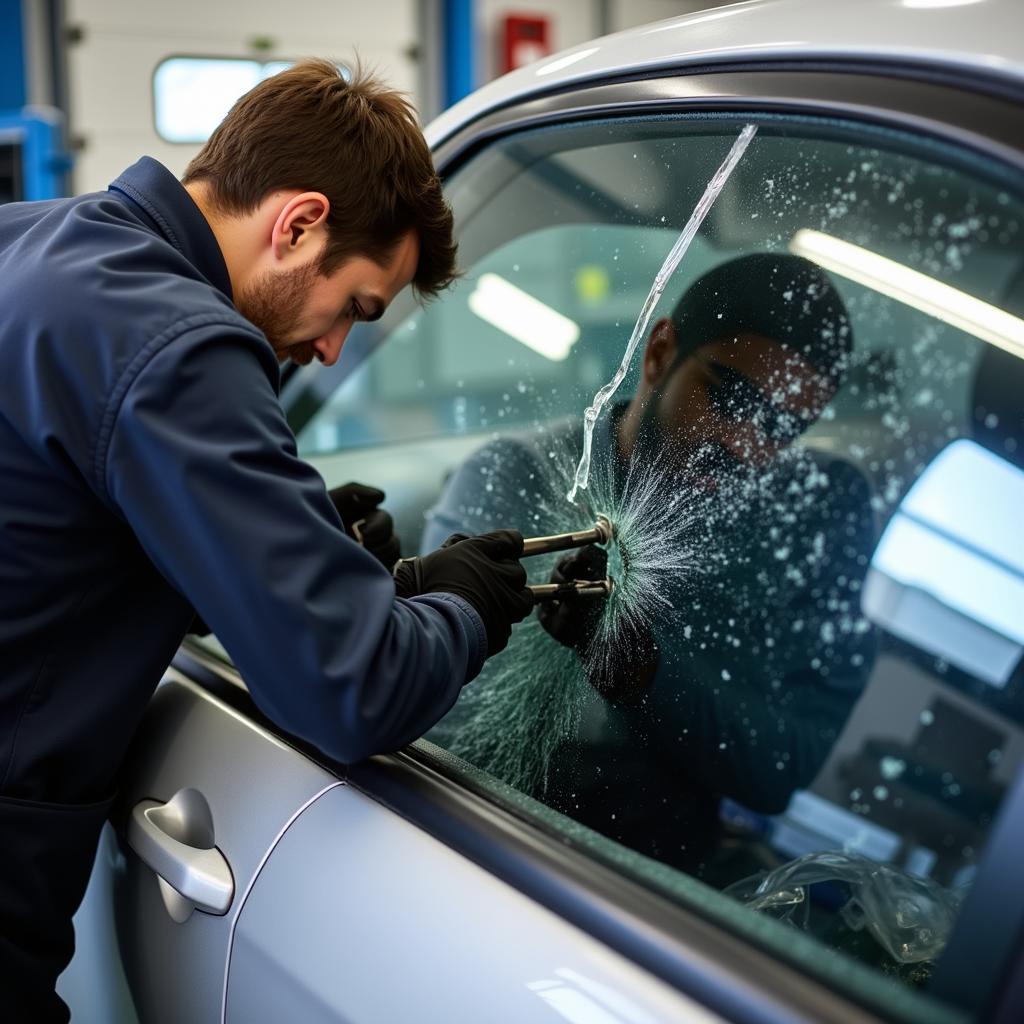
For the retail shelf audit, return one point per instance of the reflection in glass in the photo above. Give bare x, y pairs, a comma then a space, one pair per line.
790, 440
732, 549
948, 573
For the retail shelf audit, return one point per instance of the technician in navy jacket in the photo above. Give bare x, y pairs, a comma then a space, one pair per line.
149, 474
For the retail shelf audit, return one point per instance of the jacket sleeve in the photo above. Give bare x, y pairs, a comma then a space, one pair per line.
201, 464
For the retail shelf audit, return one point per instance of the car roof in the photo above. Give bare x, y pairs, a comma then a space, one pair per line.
983, 37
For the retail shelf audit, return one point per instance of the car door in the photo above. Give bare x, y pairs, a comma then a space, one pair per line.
482, 869
207, 795
339, 909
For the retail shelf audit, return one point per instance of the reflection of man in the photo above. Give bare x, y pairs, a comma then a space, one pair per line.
742, 691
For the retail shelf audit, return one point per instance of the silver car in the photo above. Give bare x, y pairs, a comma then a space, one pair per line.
812, 808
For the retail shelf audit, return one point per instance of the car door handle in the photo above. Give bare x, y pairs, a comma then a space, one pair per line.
176, 840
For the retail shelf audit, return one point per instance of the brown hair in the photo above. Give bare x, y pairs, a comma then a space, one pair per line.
357, 142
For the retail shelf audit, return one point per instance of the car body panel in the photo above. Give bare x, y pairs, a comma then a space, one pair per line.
254, 785
359, 916
984, 38
988, 125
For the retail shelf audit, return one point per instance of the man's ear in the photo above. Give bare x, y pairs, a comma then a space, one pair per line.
660, 352
301, 225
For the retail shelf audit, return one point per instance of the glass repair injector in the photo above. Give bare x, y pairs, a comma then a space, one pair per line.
602, 532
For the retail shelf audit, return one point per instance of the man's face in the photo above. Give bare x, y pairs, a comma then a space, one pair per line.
737, 402
305, 314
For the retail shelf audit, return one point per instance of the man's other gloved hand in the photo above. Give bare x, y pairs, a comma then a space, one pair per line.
573, 622
484, 571
625, 673
366, 523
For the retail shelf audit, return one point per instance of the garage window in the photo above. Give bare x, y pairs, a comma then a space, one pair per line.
191, 95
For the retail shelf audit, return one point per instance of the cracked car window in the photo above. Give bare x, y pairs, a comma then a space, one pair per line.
809, 665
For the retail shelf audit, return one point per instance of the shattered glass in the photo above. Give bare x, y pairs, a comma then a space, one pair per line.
910, 917
760, 686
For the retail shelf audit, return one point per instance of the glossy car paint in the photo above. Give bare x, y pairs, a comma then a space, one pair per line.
358, 909
255, 785
972, 37
343, 911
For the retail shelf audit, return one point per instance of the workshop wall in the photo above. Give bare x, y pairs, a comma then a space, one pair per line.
567, 23
115, 48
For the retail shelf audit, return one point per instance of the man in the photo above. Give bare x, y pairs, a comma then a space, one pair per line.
732, 649
150, 476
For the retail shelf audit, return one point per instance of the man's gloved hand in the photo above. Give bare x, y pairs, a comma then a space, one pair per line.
484, 571
625, 673
366, 523
573, 623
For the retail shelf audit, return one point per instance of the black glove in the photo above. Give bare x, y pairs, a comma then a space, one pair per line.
484, 570
198, 626
574, 621
364, 522
625, 673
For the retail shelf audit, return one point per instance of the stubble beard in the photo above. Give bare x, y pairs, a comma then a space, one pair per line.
273, 303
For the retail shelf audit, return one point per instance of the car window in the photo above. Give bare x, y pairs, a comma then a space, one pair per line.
805, 694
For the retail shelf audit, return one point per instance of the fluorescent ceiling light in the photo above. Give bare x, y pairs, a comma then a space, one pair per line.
523, 317
913, 288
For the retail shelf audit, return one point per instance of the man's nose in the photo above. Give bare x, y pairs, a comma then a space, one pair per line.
328, 346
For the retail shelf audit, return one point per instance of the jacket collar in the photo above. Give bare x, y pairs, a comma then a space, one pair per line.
150, 185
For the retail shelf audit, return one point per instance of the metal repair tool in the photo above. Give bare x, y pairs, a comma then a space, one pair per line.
602, 532
572, 589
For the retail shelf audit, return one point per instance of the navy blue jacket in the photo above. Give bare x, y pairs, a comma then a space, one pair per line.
148, 471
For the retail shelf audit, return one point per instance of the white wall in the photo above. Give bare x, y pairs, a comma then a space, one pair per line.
110, 71
571, 21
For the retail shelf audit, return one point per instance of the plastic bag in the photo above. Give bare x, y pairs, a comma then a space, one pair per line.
910, 917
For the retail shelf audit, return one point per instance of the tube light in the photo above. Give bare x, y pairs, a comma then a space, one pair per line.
523, 317
921, 292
